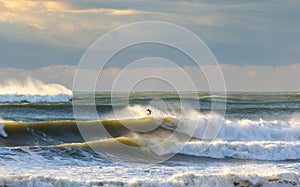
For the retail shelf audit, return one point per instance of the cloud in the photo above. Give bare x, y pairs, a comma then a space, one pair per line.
55, 6
63, 22
17, 5
237, 32
237, 78
115, 12
36, 26
250, 73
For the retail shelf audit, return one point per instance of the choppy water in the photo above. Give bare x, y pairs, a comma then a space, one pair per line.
258, 143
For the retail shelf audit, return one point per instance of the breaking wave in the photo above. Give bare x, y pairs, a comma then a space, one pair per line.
247, 139
33, 91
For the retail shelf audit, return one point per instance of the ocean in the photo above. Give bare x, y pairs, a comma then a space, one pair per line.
257, 142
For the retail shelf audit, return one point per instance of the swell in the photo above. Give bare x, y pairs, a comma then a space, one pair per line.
242, 139
230, 98
40, 133
146, 147
60, 132
217, 149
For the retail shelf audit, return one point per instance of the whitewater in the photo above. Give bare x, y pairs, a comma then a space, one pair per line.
257, 141
33, 91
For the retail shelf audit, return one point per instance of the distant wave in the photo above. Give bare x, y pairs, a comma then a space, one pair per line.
32, 87
33, 91
16, 98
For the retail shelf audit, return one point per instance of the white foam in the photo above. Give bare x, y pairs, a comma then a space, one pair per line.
32, 87
227, 176
2, 131
212, 127
260, 150
254, 150
249, 130
24, 166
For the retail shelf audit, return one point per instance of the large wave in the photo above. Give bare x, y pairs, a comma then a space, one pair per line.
283, 146
33, 91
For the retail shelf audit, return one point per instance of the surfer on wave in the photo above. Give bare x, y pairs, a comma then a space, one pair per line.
149, 112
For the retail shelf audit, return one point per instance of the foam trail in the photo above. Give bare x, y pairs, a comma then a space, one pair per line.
32, 87
248, 130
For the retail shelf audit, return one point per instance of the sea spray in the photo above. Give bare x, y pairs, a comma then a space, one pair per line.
33, 91
2, 131
32, 87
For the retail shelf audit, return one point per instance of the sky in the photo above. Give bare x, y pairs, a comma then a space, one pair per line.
253, 40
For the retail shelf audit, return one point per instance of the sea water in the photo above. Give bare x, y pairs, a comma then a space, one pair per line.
257, 144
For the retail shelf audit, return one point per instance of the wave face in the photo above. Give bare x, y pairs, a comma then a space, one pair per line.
257, 142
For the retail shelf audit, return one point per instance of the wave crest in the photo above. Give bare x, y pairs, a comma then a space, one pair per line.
30, 90
32, 87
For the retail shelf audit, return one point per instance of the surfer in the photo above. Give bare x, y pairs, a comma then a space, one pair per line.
149, 112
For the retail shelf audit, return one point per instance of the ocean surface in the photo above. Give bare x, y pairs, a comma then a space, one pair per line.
257, 142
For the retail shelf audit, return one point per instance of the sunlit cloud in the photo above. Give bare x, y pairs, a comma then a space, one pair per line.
107, 11
61, 20
124, 12
55, 6
17, 5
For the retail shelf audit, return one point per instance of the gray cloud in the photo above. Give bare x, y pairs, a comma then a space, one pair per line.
41, 33
237, 78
